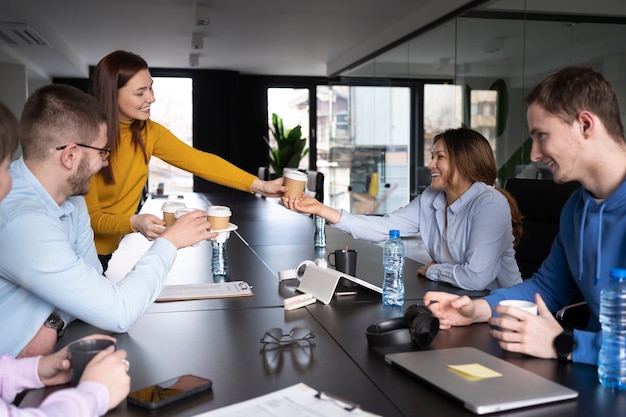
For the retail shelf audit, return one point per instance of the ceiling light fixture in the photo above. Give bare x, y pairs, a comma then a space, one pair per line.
194, 60
202, 15
197, 41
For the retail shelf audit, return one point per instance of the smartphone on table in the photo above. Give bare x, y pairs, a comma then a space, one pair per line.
170, 391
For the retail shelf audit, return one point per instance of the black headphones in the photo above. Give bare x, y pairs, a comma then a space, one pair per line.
418, 326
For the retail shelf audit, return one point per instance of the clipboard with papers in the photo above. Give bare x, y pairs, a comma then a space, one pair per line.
205, 291
295, 400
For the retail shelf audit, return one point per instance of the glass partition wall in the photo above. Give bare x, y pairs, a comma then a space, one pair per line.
363, 136
493, 56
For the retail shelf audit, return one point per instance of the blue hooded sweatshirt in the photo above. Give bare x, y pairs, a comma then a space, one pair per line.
591, 241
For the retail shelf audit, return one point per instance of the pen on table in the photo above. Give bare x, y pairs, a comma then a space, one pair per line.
345, 404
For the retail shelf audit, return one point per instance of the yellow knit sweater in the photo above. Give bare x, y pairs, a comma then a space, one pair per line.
111, 206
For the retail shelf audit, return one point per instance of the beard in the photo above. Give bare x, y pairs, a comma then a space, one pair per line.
79, 182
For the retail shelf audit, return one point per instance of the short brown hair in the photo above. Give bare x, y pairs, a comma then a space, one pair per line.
58, 114
9, 132
571, 90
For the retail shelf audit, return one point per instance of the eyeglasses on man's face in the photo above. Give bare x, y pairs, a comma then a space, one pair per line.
104, 152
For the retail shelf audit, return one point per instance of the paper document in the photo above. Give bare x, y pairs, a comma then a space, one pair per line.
202, 291
296, 400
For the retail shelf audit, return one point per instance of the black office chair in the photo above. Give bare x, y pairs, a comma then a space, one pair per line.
541, 202
423, 179
264, 173
315, 185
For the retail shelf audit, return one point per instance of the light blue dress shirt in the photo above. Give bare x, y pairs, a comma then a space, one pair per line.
479, 235
48, 262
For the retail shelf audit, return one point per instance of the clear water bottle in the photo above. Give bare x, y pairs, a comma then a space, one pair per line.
393, 263
319, 239
612, 357
219, 261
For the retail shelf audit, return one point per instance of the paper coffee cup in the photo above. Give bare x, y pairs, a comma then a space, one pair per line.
169, 209
182, 211
218, 217
521, 304
295, 182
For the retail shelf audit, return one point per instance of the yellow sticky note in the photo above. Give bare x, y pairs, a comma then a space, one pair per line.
475, 371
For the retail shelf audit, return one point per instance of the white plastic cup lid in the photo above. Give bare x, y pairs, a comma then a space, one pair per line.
172, 206
218, 211
183, 211
295, 175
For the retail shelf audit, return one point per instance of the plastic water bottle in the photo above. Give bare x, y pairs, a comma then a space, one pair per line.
612, 357
393, 263
219, 261
319, 239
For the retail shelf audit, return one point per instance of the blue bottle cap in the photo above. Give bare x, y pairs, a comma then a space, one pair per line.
618, 273
394, 233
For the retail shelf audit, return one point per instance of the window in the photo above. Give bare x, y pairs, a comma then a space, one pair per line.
483, 114
291, 105
363, 146
442, 111
173, 109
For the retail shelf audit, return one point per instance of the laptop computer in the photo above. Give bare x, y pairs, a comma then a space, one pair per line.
514, 388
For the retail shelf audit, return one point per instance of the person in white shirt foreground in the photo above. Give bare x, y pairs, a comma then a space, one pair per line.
49, 269
105, 381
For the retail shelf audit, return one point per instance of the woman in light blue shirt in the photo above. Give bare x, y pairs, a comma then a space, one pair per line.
468, 227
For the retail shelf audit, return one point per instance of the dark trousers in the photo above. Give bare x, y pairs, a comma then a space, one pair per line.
104, 260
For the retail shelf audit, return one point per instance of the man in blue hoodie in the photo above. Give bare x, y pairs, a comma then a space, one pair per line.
574, 121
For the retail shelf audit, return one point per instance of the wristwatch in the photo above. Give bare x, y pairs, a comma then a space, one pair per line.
54, 321
564, 344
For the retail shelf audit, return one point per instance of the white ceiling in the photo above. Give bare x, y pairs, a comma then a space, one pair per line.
279, 37
271, 37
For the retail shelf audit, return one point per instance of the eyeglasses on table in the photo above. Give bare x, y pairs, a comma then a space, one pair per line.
277, 335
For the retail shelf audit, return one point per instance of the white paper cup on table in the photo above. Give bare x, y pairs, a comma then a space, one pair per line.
181, 212
528, 306
218, 217
169, 210
295, 181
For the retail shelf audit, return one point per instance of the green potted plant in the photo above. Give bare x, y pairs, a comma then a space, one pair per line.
290, 146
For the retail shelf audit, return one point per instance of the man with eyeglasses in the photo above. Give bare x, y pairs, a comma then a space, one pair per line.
49, 269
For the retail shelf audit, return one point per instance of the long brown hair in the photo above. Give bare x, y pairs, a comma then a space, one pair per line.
471, 154
112, 73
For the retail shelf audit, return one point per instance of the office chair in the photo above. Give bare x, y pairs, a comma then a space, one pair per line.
423, 179
264, 173
541, 202
315, 185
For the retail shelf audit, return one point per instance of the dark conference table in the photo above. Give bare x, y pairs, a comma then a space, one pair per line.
220, 338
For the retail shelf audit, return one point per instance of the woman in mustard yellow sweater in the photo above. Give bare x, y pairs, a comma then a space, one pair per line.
123, 84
